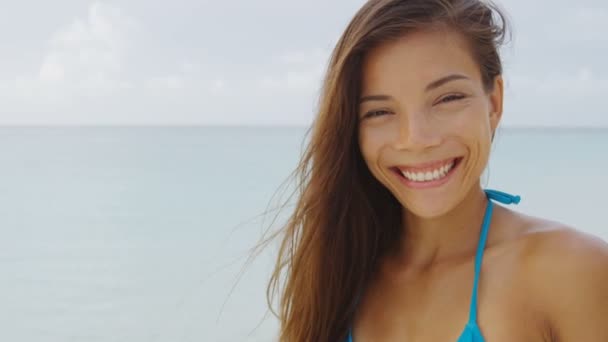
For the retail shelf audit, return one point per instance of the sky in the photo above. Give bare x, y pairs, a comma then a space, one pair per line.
243, 62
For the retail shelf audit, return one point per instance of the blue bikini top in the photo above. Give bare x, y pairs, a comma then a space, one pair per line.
471, 332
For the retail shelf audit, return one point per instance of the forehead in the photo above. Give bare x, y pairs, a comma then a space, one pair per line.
418, 58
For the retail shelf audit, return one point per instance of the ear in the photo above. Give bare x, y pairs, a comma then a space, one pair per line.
496, 99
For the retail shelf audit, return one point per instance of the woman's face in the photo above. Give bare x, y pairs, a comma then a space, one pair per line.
425, 121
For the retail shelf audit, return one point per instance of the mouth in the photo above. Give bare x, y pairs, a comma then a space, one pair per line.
429, 175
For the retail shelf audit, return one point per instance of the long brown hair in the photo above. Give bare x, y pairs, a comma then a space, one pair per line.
344, 220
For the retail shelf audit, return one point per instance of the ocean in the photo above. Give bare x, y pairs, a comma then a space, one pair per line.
141, 234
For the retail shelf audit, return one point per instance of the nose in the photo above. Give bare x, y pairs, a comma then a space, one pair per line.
416, 132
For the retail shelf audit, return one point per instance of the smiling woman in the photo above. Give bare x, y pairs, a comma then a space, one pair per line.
393, 230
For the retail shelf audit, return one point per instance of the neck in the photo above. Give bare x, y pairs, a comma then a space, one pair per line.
428, 241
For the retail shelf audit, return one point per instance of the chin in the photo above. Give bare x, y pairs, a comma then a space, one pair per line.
429, 209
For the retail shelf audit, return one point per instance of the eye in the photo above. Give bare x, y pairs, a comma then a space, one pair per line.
375, 113
451, 98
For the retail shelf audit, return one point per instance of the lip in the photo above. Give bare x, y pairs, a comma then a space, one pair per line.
429, 184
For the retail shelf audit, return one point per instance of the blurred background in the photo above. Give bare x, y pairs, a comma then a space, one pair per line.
140, 141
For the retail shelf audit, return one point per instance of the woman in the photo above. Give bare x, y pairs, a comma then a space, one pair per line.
393, 237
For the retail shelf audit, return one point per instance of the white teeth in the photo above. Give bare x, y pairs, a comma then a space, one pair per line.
429, 175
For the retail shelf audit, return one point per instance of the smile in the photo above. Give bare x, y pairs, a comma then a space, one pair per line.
428, 175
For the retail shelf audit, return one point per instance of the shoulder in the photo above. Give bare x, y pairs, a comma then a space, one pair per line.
562, 251
567, 273
552, 241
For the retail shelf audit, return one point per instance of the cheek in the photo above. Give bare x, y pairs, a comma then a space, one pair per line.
473, 128
474, 124
373, 138
480, 144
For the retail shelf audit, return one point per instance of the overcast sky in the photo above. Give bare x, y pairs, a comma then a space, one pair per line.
258, 61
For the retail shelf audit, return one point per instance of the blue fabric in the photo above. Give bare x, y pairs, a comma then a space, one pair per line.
471, 332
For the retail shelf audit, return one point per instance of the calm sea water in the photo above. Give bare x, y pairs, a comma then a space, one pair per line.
140, 234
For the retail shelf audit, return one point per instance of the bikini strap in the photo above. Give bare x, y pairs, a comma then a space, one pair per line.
501, 197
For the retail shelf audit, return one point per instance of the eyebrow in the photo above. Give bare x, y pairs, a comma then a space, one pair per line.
433, 85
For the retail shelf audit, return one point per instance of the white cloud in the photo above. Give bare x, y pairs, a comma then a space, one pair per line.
181, 64
189, 67
587, 24
268, 82
580, 83
90, 52
303, 80
556, 99
167, 82
52, 71
297, 71
219, 86
82, 59
567, 25
303, 57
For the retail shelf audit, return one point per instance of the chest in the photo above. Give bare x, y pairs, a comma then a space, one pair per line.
435, 306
